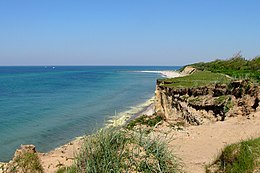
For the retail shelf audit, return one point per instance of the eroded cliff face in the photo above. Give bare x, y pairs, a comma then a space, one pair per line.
206, 104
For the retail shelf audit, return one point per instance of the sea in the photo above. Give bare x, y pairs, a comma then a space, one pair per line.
49, 106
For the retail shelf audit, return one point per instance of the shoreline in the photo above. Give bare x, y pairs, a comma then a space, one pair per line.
65, 154
165, 73
144, 108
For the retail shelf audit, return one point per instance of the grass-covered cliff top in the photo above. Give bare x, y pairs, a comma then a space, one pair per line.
197, 79
218, 71
237, 67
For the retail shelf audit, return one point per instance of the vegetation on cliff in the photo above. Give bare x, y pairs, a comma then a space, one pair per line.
117, 150
25, 163
237, 67
240, 158
150, 121
223, 88
208, 93
197, 79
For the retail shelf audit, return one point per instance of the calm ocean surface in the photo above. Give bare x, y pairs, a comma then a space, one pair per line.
48, 106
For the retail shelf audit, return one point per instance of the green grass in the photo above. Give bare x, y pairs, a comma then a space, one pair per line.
150, 121
221, 99
195, 100
115, 150
242, 157
200, 78
237, 67
27, 162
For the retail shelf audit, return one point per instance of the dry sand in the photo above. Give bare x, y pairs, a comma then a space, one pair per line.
165, 73
198, 146
62, 156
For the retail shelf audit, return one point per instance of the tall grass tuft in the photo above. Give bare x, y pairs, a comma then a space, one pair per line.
117, 150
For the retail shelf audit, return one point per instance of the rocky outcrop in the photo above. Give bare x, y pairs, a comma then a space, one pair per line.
209, 103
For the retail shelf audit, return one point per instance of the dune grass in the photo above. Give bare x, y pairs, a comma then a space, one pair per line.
117, 150
27, 163
241, 157
198, 79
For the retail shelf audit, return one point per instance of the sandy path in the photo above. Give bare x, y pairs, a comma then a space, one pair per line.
199, 145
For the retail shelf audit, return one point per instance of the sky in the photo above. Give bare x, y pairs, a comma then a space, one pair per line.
127, 32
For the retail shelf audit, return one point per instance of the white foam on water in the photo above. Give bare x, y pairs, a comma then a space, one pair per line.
122, 117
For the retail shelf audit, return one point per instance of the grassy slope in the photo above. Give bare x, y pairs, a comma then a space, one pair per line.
237, 67
201, 78
242, 157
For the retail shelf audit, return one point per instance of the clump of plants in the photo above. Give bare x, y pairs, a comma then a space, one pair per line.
221, 99
27, 163
195, 100
149, 121
118, 150
241, 157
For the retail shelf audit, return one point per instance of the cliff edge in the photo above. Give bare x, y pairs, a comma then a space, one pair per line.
217, 97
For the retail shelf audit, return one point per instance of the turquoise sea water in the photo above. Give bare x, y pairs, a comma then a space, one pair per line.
48, 106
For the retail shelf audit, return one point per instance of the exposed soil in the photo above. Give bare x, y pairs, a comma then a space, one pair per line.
198, 146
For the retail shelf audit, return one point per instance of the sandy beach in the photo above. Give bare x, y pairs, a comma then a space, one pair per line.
166, 74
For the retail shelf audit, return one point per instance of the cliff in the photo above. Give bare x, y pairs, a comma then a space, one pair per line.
206, 103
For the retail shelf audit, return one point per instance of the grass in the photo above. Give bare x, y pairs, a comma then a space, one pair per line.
150, 121
195, 100
237, 67
27, 163
198, 79
115, 150
241, 157
221, 99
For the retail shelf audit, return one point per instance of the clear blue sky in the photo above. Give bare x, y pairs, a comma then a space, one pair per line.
126, 32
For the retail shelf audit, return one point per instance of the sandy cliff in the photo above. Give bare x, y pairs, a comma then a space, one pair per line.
209, 103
